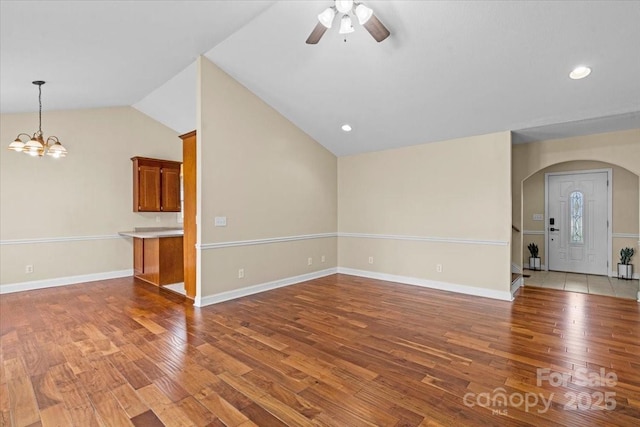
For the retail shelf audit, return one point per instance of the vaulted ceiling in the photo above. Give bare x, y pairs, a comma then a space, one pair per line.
449, 69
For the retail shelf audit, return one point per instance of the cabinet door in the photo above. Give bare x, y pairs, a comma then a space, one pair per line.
149, 188
170, 188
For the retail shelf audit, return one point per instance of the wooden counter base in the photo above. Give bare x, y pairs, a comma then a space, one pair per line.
158, 261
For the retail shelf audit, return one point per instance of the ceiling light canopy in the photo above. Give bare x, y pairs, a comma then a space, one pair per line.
580, 72
347, 8
346, 127
36, 145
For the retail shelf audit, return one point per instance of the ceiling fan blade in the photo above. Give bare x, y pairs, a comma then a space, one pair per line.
316, 34
376, 28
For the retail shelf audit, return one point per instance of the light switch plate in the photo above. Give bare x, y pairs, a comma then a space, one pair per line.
220, 221
538, 217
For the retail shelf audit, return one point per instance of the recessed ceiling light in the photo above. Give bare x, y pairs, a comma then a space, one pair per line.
346, 127
580, 72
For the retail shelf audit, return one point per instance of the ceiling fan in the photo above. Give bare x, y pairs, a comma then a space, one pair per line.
365, 16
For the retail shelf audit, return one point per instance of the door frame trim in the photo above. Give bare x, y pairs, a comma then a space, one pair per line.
609, 172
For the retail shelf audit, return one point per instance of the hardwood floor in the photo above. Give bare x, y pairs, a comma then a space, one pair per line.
338, 351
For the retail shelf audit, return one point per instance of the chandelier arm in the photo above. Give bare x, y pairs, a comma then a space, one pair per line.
25, 134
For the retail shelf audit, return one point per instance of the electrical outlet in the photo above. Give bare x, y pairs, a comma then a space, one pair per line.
322, 259
157, 219
28, 269
370, 260
439, 268
309, 261
241, 273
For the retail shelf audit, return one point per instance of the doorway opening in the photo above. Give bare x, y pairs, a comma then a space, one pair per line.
622, 214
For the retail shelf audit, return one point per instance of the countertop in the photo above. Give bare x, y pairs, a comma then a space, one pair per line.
153, 233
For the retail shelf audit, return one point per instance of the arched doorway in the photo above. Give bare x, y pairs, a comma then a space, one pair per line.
622, 230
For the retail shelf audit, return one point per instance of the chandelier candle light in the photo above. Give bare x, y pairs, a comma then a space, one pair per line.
36, 145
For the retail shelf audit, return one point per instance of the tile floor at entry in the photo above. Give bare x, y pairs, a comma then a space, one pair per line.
584, 283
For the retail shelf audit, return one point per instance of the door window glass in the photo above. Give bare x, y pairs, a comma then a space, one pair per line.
576, 201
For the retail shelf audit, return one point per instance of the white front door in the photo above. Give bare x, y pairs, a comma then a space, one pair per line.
577, 222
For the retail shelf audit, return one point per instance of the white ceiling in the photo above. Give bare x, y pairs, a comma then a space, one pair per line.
105, 53
449, 69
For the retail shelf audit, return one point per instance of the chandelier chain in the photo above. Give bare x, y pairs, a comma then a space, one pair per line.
40, 109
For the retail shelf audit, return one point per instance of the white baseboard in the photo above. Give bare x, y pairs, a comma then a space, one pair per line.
443, 286
262, 287
63, 281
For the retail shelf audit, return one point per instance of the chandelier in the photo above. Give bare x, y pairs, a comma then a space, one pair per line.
36, 145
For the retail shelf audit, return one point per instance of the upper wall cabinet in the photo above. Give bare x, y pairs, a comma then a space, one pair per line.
156, 185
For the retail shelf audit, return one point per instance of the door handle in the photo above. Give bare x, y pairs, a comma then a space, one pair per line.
554, 229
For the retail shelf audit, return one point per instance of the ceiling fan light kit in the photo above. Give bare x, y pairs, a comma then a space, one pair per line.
35, 145
365, 16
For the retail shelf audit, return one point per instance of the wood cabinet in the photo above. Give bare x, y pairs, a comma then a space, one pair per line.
158, 260
156, 185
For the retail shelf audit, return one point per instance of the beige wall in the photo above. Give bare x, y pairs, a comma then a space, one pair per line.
268, 178
271, 180
450, 190
616, 148
625, 205
88, 193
